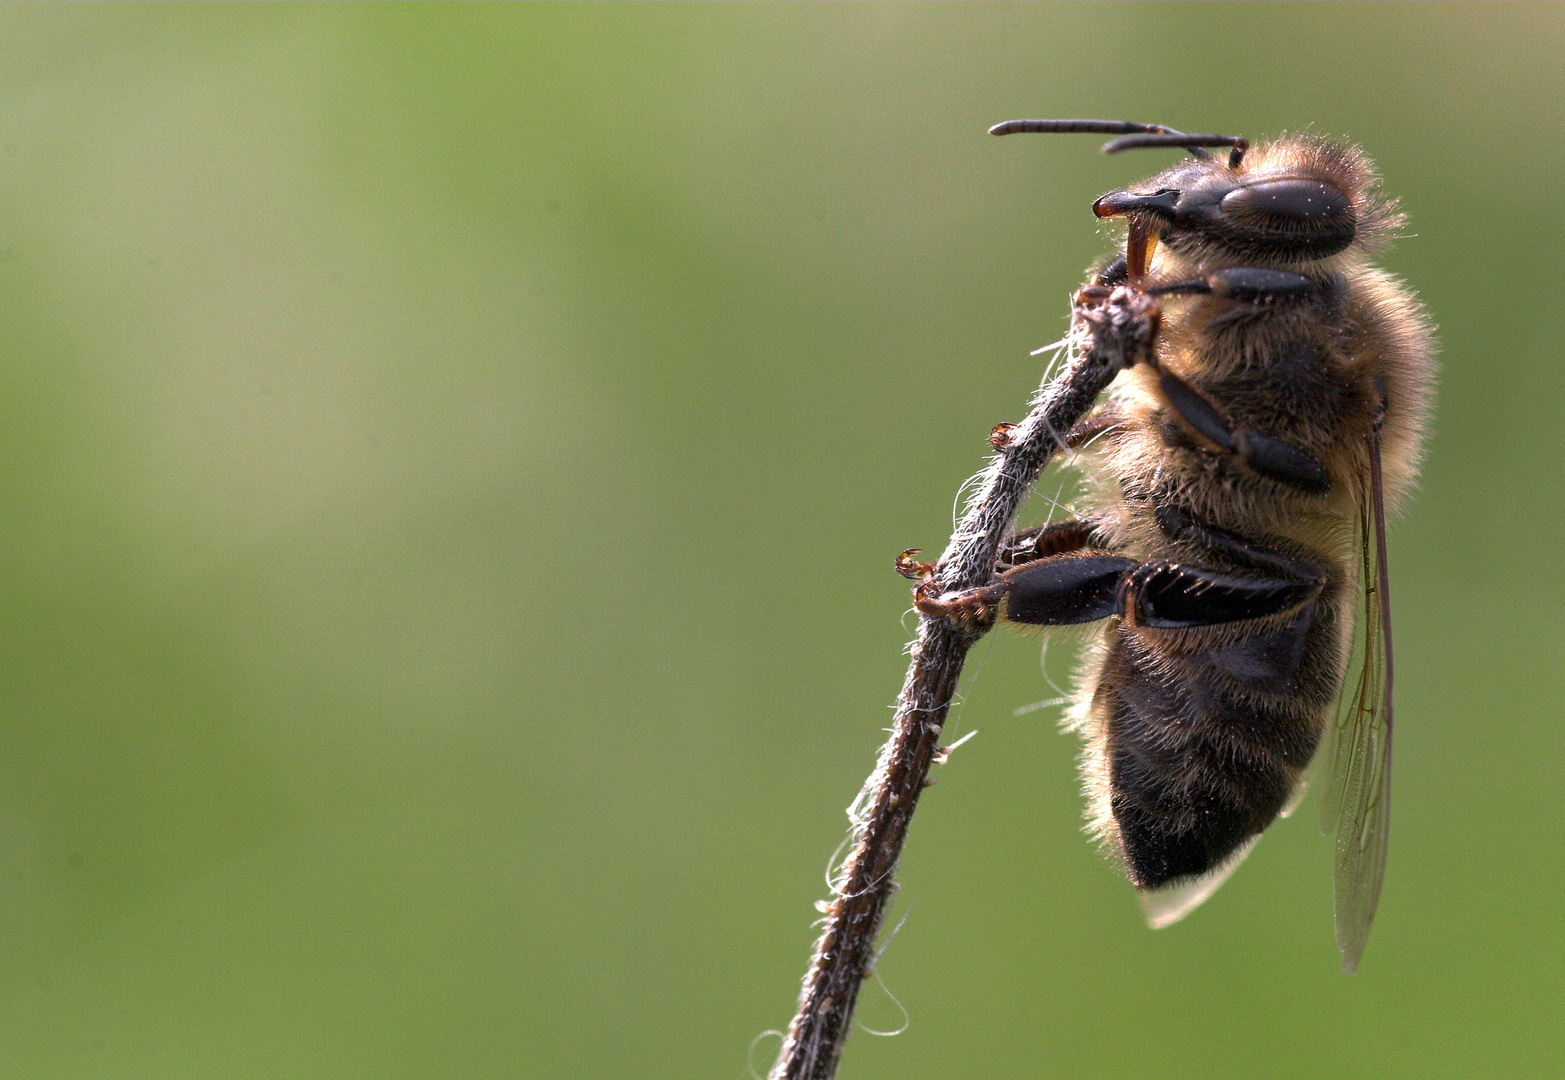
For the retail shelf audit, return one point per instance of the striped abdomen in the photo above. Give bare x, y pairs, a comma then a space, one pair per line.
1205, 745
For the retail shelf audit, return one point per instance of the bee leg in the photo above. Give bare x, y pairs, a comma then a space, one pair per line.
1115, 272
972, 606
1042, 541
1179, 525
1173, 595
1054, 590
1281, 461
1089, 427
1066, 589
1087, 584
1104, 418
1246, 284
1105, 279
1024, 546
1270, 457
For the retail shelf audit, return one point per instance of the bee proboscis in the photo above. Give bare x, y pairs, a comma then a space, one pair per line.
1233, 527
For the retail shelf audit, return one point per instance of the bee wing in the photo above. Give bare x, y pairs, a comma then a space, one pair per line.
1358, 802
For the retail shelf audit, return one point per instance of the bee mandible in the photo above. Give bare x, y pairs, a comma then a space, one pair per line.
1233, 527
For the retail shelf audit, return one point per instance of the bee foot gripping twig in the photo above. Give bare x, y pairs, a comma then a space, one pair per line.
911, 568
1111, 330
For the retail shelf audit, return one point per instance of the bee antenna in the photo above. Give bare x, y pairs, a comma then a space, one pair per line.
1133, 136
1192, 143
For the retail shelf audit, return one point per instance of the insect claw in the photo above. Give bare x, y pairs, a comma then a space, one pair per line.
926, 597
911, 569
975, 606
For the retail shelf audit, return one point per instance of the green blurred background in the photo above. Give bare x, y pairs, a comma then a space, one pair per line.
451, 461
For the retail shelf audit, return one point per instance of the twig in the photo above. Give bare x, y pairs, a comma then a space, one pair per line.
1109, 332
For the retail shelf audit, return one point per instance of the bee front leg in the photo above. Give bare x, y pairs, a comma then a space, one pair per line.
1247, 285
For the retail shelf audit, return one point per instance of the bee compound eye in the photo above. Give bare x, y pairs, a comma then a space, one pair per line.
1294, 200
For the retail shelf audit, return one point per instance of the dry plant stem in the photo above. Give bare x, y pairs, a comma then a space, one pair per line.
1108, 334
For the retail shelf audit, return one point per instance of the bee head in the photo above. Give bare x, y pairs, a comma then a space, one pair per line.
1286, 203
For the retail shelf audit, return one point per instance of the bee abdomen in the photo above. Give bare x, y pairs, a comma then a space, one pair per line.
1204, 748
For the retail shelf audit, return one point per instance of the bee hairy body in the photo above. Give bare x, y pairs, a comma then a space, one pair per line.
1198, 737
1228, 486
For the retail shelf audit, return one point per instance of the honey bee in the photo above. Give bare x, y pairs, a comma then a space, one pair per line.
1237, 487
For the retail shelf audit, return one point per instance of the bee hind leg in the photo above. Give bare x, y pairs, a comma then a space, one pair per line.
1047, 574
1056, 579
1057, 590
1172, 595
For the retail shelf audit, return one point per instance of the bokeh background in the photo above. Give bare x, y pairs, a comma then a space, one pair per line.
450, 464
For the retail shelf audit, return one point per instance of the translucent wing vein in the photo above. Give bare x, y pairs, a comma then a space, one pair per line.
1358, 804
